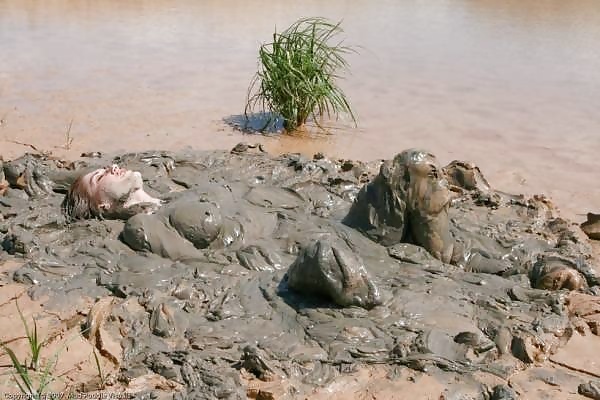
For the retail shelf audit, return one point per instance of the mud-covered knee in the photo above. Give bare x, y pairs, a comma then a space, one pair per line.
335, 273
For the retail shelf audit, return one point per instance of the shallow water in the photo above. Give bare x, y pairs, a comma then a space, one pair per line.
513, 86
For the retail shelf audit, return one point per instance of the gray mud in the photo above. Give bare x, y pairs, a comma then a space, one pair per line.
257, 262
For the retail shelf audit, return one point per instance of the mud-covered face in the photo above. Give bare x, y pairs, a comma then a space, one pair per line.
111, 184
428, 171
424, 165
427, 187
561, 277
105, 189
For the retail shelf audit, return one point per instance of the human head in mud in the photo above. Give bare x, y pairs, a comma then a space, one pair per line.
407, 202
104, 191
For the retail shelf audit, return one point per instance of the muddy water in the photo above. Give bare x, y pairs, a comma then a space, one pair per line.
511, 85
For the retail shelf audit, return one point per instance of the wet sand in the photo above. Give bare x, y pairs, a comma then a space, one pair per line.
513, 87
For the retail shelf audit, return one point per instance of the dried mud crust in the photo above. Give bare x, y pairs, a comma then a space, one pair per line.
204, 307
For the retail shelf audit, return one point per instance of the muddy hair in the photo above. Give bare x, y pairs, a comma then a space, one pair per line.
79, 202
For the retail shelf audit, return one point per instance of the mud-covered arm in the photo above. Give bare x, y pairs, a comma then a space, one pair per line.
438, 198
428, 197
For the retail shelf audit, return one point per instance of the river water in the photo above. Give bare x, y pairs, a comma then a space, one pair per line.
509, 84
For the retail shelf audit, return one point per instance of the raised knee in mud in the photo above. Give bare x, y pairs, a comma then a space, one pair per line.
333, 272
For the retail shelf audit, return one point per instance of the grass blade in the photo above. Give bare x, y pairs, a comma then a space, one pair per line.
22, 372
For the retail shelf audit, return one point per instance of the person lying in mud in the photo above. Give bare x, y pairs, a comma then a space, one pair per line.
409, 202
110, 192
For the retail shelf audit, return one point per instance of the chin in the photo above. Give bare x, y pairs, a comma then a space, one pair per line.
136, 180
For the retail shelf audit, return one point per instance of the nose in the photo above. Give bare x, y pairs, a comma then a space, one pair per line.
114, 169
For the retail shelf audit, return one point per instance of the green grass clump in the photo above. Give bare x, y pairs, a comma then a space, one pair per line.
297, 73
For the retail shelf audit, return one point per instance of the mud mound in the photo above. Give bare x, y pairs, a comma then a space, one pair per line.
400, 263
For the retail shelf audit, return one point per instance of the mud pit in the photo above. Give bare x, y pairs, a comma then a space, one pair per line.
287, 269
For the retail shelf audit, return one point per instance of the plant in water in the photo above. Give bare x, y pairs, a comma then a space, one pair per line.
297, 72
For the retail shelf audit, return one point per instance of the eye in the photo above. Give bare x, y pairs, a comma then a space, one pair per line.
100, 175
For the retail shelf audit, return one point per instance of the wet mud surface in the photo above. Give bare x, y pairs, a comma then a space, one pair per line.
304, 270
